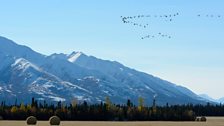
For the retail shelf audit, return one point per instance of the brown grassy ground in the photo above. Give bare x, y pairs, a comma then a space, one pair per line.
212, 121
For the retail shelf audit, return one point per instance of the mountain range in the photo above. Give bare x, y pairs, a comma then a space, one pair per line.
25, 73
209, 99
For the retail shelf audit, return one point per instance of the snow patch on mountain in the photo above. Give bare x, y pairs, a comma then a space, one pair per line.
22, 64
54, 98
74, 56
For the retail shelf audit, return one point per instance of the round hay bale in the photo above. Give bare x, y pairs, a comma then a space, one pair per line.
203, 119
31, 120
54, 120
197, 119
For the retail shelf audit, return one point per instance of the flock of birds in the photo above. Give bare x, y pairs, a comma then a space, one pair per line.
127, 19
156, 35
167, 17
210, 15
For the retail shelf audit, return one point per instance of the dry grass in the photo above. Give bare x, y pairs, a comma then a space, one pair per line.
211, 121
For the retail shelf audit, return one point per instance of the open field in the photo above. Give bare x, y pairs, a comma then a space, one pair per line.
212, 121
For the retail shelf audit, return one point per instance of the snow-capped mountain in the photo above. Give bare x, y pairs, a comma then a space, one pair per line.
25, 73
221, 100
209, 99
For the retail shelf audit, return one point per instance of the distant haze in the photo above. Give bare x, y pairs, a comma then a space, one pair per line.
193, 57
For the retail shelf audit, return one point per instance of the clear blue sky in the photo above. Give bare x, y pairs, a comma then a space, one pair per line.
194, 57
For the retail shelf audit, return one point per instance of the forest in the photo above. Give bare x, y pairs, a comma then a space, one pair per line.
107, 111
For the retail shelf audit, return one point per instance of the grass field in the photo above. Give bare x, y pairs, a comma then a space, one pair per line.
211, 121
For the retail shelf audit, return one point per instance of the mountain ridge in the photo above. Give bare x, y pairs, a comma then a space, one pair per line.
81, 77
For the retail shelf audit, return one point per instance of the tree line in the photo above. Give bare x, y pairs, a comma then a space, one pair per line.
107, 111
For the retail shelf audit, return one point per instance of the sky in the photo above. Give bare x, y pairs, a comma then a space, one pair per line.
193, 57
